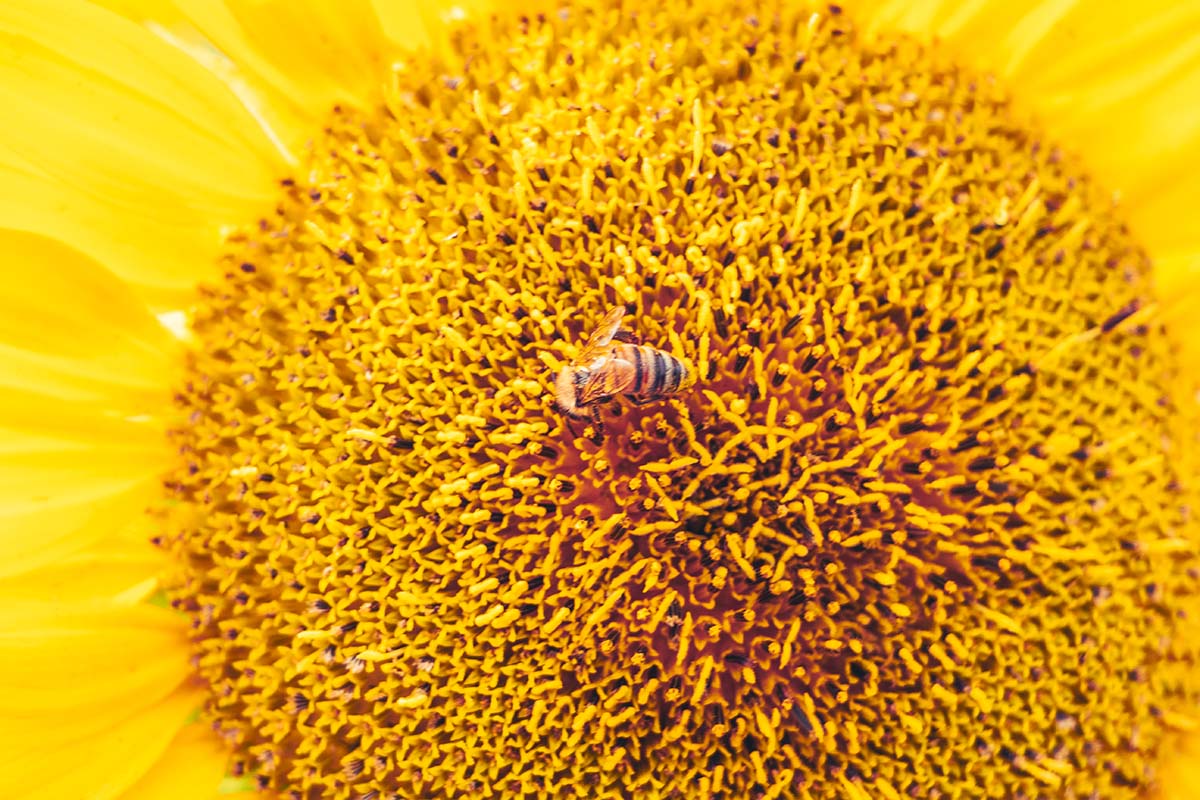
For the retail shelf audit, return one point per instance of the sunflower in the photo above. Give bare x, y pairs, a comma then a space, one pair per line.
288, 506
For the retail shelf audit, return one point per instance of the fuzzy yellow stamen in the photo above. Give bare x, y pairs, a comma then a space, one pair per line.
912, 530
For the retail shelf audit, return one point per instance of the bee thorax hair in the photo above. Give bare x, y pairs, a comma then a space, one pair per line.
565, 393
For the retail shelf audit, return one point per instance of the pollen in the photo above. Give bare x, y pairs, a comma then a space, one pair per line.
921, 527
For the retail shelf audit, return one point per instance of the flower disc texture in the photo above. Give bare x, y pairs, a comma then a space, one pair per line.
920, 523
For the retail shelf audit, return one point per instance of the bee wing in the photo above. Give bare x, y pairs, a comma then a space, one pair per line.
616, 376
603, 334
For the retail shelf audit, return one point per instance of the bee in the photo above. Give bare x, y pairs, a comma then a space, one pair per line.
615, 362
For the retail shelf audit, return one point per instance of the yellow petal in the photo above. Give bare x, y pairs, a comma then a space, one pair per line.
1179, 286
46, 530
190, 769
1179, 778
402, 22
51, 476
120, 569
106, 659
31, 421
100, 765
289, 62
85, 383
1122, 85
66, 488
1153, 157
89, 695
127, 148
1002, 36
322, 51
62, 305
904, 15
419, 24
1121, 49
85, 376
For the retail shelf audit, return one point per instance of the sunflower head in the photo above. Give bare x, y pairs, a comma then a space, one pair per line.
882, 487
920, 521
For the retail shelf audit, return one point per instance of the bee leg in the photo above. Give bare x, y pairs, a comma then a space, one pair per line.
638, 400
567, 417
597, 425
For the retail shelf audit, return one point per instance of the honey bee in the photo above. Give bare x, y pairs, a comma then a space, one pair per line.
615, 362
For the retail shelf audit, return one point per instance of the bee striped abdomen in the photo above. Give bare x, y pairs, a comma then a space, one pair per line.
660, 373
656, 373
678, 373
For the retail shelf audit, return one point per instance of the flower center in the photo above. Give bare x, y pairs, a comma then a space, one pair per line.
916, 523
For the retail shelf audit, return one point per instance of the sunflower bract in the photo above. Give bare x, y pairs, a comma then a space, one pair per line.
919, 528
